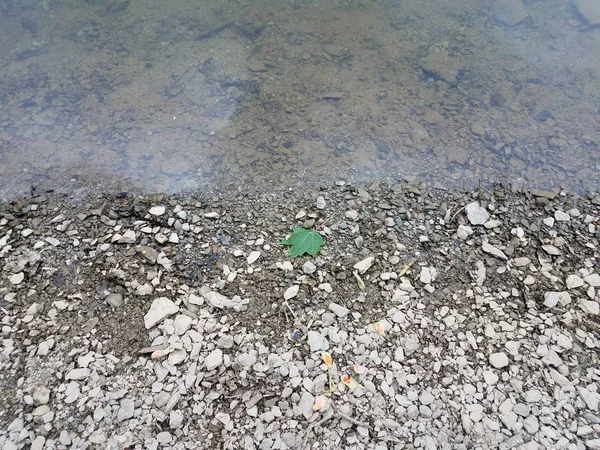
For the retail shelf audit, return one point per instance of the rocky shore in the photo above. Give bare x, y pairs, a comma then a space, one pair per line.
429, 319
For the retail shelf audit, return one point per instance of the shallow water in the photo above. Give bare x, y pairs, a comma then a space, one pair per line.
171, 96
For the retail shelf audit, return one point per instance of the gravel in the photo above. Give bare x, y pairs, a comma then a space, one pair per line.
475, 337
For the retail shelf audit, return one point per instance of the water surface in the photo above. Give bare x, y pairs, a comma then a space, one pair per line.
187, 94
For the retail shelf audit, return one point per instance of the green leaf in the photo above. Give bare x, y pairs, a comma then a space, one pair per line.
303, 241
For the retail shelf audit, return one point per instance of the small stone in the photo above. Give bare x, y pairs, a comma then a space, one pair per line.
464, 232
305, 405
351, 215
41, 395
320, 202
364, 265
17, 278
593, 280
308, 268
573, 281
427, 275
562, 216
214, 359
160, 309
590, 306
551, 299
532, 396
499, 360
426, 398
127, 238
478, 130
548, 221
175, 420
225, 341
164, 437
522, 261
476, 214
291, 292
182, 323
252, 257
78, 374
126, 410
45, 347
38, 443
338, 310
531, 424
490, 377
591, 399
147, 252
488, 248
217, 300
115, 300
551, 250
158, 210
316, 341
246, 359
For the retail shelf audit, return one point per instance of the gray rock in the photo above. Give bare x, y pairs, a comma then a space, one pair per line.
158, 210
217, 300
149, 253
489, 248
115, 300
128, 237
308, 268
38, 443
175, 420
78, 374
291, 292
126, 410
551, 299
531, 424
589, 306
464, 232
509, 12
182, 323
320, 202
338, 310
225, 341
364, 265
246, 359
593, 444
214, 359
591, 399
17, 278
426, 398
561, 216
164, 437
593, 280
476, 214
316, 341
499, 360
41, 395
351, 215
305, 405
573, 282
160, 309
253, 257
